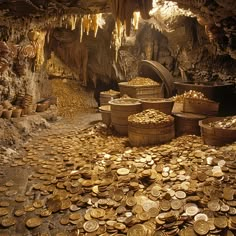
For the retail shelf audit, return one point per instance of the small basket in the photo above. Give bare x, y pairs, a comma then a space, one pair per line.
161, 104
7, 114
41, 107
106, 114
16, 113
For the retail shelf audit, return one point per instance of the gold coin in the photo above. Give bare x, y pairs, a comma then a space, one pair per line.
192, 210
221, 222
65, 204
165, 205
45, 213
38, 204
4, 204
54, 205
137, 230
180, 194
137, 209
9, 183
156, 191
189, 231
33, 222
3, 189
65, 220
153, 212
118, 195
91, 226
123, 171
20, 212
97, 213
201, 227
228, 193
29, 208
8, 221
20, 198
143, 216
131, 201
176, 204
75, 216
4, 211
11, 193
213, 205
119, 226
201, 216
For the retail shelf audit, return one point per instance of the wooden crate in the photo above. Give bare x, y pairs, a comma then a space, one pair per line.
199, 106
216, 136
141, 91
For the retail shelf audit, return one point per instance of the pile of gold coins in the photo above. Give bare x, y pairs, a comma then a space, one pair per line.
190, 94
227, 123
111, 92
92, 183
125, 100
150, 116
142, 81
72, 98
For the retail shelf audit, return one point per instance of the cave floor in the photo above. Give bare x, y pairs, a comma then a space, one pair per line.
76, 178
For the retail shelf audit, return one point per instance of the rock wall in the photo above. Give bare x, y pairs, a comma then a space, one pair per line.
22, 67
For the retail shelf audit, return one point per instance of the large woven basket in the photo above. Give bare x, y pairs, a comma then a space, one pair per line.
150, 134
216, 136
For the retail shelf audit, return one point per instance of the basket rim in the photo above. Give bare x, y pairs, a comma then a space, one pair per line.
125, 84
210, 119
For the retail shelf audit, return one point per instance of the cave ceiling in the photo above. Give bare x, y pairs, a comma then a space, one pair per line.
217, 13
217, 16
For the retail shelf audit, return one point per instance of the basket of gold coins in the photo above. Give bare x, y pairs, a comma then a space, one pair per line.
150, 127
164, 105
106, 114
121, 108
179, 100
106, 96
141, 87
218, 131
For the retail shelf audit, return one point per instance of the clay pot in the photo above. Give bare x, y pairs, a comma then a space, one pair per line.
16, 113
6, 114
41, 107
6, 104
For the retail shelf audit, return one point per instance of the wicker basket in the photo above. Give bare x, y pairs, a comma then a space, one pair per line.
187, 123
144, 135
105, 97
106, 114
16, 113
121, 111
199, 106
141, 91
216, 136
41, 107
7, 114
161, 104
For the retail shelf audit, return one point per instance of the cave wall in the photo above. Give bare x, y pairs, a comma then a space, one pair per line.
197, 58
22, 69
